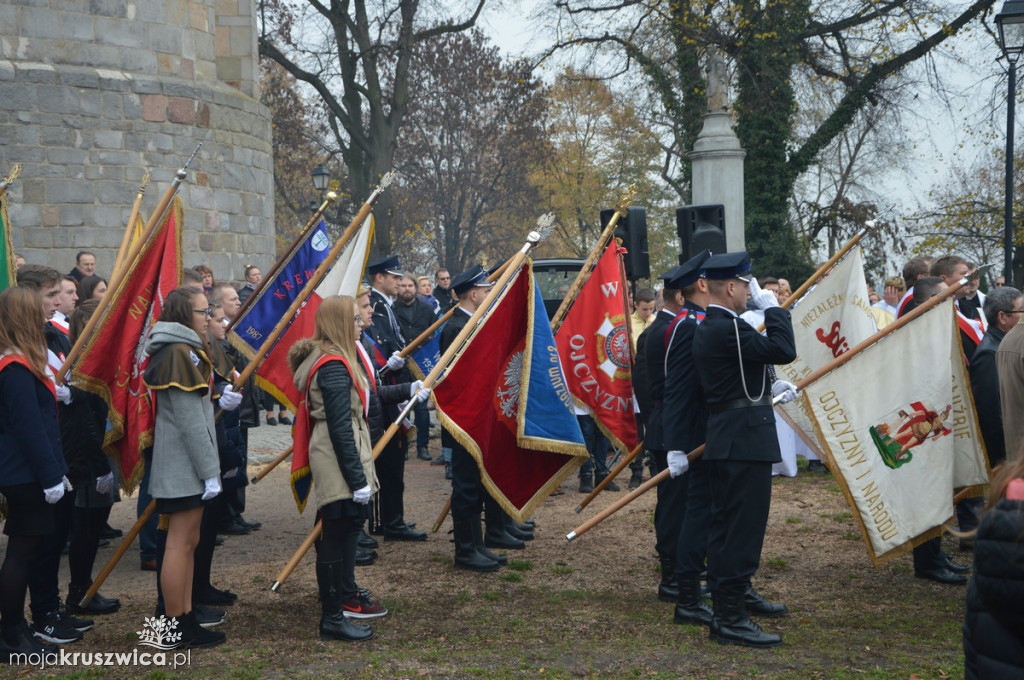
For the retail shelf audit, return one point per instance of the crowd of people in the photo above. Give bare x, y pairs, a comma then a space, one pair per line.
699, 369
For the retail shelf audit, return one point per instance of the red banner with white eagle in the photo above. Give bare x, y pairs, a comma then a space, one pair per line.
114, 358
593, 344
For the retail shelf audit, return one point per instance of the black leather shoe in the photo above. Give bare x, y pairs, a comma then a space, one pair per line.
447, 470
366, 542
284, 420
636, 479
691, 609
942, 575
233, 528
438, 461
816, 466
97, 606
403, 533
757, 605
214, 597
272, 421
365, 557
423, 454
110, 532
251, 526
953, 566
730, 624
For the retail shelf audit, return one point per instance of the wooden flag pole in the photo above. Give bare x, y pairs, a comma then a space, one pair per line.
130, 229
823, 269
272, 464
314, 281
535, 238
276, 268
118, 278
119, 553
810, 378
9, 180
611, 475
444, 513
606, 234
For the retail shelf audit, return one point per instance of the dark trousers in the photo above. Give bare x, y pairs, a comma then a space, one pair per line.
390, 466
741, 493
928, 555
86, 524
669, 510
43, 588
147, 534
422, 419
234, 500
637, 464
466, 487
692, 546
338, 544
597, 447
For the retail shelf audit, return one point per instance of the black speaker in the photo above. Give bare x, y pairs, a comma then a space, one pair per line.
700, 227
632, 229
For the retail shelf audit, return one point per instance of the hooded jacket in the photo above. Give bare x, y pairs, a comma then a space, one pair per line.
184, 439
340, 453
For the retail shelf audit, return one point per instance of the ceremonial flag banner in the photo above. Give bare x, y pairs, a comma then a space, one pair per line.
114, 358
426, 356
593, 344
899, 423
827, 321
505, 399
8, 269
274, 375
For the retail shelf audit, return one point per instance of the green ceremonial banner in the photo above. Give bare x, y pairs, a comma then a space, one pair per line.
8, 270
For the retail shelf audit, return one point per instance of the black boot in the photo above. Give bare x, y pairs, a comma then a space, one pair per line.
496, 536
513, 530
447, 469
478, 541
194, 636
610, 486
668, 591
398, 530
365, 557
466, 554
690, 606
366, 541
730, 624
586, 481
758, 606
636, 479
334, 625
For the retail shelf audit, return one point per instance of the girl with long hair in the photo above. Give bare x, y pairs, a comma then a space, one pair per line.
186, 468
332, 427
32, 466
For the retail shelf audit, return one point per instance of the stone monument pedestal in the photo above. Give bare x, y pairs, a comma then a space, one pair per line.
718, 173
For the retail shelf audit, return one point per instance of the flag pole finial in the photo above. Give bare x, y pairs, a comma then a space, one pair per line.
14, 174
627, 198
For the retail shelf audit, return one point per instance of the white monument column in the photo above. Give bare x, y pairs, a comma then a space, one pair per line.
717, 157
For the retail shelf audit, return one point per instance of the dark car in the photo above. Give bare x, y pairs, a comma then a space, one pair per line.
555, 276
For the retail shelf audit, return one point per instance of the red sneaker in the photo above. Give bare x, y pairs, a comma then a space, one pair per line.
362, 607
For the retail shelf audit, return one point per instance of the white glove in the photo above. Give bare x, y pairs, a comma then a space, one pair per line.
67, 484
417, 390
54, 493
230, 473
229, 399
784, 391
395, 363
362, 496
212, 488
762, 299
105, 483
64, 394
678, 463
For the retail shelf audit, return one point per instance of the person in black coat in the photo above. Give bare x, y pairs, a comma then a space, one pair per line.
414, 317
993, 630
732, 361
32, 467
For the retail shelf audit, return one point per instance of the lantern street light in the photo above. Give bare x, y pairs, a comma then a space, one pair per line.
1010, 22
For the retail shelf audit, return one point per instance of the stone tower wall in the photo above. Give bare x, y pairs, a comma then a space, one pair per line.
94, 93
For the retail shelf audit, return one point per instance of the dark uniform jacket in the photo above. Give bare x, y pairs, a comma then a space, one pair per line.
993, 631
413, 318
444, 298
653, 358
456, 323
985, 388
746, 433
384, 394
383, 331
684, 414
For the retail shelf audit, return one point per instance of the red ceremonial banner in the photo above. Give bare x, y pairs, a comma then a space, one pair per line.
487, 400
114, 358
593, 344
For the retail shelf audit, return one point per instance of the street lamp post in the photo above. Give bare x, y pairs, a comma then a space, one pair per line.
1010, 21
321, 177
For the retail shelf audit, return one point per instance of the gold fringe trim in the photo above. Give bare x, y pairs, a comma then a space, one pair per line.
301, 473
278, 394
12, 267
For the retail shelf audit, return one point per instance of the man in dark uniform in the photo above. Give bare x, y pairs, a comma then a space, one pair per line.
414, 317
471, 288
732, 361
684, 424
650, 362
384, 275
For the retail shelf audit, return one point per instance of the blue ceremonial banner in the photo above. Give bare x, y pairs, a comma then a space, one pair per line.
427, 356
273, 298
547, 409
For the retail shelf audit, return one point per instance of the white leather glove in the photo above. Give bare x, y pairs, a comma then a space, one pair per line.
417, 390
784, 391
229, 399
64, 394
678, 463
362, 496
105, 483
230, 473
67, 484
54, 493
762, 299
212, 488
395, 363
